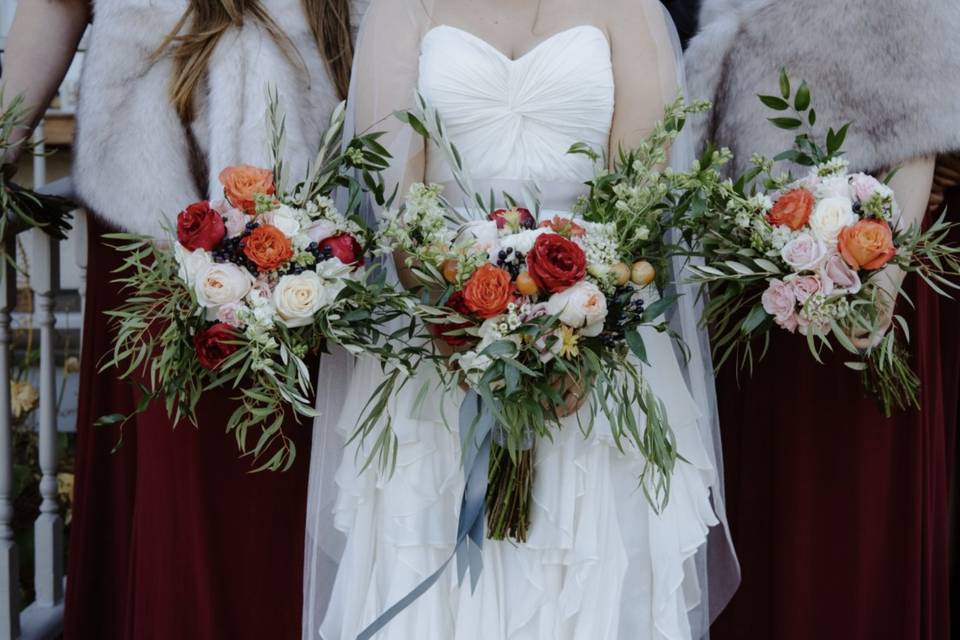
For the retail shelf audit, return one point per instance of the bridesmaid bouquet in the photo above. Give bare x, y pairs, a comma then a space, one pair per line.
21, 208
537, 311
806, 256
252, 284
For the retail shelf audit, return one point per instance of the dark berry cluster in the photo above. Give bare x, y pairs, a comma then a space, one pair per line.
623, 311
513, 262
231, 250
319, 255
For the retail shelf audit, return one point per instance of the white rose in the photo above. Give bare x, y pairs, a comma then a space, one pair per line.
320, 230
482, 234
190, 262
522, 241
837, 187
333, 269
829, 218
285, 218
582, 306
803, 253
299, 297
220, 284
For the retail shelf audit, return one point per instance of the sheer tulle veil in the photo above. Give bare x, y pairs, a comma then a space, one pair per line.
716, 563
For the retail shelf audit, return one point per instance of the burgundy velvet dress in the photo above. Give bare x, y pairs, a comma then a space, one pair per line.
839, 515
172, 536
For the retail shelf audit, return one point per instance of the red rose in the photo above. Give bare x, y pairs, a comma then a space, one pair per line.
516, 218
556, 263
458, 303
200, 227
213, 345
345, 248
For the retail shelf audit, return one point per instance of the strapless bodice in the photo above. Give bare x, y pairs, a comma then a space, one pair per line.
515, 120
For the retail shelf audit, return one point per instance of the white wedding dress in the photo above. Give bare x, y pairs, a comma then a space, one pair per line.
599, 564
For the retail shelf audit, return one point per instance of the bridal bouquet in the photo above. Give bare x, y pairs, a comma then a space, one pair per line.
252, 285
806, 256
540, 310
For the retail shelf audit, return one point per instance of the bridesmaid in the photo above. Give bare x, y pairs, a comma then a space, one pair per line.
171, 536
840, 516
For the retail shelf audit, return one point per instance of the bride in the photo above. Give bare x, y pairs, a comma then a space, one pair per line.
517, 82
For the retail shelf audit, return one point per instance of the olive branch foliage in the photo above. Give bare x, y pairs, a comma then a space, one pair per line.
738, 265
269, 376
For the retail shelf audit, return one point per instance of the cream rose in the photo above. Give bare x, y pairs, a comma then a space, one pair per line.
829, 218
481, 235
320, 230
299, 297
803, 253
582, 306
220, 284
836, 187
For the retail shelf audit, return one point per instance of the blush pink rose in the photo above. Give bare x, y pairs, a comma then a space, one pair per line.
321, 230
804, 287
780, 301
836, 276
803, 253
864, 186
227, 314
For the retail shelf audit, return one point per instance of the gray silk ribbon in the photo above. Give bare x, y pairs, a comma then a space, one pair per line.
476, 427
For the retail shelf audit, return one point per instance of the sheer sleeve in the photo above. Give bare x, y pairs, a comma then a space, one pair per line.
385, 72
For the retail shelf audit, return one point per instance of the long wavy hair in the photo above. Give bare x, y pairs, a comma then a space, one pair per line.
192, 41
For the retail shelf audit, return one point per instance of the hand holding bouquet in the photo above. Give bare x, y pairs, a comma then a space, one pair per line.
253, 284
807, 256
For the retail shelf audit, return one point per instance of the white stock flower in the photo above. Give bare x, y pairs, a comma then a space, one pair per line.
298, 298
220, 284
582, 306
834, 187
829, 217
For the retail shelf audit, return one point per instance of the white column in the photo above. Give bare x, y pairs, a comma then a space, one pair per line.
40, 159
48, 531
9, 567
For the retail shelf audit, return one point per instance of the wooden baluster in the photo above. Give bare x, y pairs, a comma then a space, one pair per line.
9, 565
48, 531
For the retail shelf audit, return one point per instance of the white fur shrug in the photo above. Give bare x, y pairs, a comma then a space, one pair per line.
133, 163
892, 67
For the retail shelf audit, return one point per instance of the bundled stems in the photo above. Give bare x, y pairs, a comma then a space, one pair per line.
509, 493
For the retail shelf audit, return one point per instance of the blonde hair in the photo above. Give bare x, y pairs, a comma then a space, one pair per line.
208, 20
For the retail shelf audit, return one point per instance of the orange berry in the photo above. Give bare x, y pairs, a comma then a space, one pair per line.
450, 269
642, 273
622, 273
526, 285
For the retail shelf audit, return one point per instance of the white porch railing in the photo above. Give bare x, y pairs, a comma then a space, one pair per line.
43, 618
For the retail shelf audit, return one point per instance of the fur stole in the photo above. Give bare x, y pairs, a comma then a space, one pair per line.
134, 163
891, 67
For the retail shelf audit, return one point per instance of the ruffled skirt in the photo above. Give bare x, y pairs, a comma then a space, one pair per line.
600, 563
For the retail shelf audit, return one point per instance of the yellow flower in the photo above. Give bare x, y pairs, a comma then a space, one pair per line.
23, 398
568, 342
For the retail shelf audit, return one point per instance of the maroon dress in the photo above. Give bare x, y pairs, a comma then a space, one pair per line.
839, 515
172, 536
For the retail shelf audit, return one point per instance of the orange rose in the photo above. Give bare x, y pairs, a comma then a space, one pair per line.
867, 244
242, 182
488, 291
267, 247
792, 209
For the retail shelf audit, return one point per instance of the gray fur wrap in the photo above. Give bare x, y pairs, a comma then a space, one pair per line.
891, 67
135, 163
